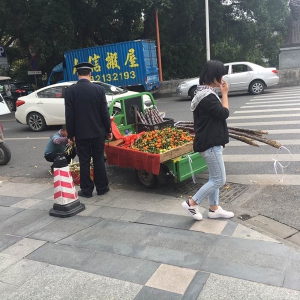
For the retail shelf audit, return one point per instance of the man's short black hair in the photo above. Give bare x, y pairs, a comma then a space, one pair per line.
213, 69
83, 72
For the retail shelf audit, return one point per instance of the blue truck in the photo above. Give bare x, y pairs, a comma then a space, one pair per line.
131, 65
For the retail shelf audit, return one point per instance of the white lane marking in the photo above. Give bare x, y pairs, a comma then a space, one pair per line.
282, 131
261, 157
263, 116
268, 102
275, 98
265, 179
266, 110
270, 105
248, 125
235, 143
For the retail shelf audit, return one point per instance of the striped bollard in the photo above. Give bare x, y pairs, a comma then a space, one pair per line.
66, 203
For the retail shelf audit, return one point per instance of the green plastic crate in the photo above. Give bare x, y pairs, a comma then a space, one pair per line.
183, 166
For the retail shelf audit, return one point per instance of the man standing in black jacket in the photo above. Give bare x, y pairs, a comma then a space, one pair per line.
88, 123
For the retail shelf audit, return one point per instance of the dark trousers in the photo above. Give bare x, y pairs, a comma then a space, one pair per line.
51, 156
87, 148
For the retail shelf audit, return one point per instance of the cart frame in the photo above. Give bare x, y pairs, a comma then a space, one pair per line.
180, 163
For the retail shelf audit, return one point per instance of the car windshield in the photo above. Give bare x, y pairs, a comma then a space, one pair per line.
21, 85
107, 88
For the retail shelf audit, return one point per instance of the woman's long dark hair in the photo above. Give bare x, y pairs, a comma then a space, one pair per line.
213, 69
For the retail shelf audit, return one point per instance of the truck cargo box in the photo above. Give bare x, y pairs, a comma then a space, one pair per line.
127, 64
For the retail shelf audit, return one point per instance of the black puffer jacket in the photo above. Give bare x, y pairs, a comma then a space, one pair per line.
210, 123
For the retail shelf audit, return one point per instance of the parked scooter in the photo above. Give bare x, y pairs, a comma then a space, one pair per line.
5, 154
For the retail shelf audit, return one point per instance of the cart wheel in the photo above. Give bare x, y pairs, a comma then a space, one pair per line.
147, 179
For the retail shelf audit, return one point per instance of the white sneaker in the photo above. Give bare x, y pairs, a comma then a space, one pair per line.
192, 210
220, 213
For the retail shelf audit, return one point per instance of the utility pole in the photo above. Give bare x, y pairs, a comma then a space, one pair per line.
207, 31
158, 47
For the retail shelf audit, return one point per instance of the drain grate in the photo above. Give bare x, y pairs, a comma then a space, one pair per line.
231, 191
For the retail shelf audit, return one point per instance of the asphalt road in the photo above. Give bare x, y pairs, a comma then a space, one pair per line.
27, 147
276, 111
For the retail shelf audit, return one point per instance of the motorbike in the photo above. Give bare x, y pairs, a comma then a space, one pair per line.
5, 154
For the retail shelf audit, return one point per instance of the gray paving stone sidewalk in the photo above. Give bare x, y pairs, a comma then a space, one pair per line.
134, 245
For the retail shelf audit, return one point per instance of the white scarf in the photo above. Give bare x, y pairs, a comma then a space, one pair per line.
202, 92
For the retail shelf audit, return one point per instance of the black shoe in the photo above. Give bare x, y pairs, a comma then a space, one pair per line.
103, 192
82, 194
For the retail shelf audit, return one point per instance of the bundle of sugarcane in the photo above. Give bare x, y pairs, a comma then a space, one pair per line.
150, 117
248, 135
242, 134
185, 125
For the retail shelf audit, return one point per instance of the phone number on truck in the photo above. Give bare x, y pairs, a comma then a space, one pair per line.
114, 76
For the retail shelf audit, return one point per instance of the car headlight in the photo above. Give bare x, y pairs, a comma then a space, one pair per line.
182, 84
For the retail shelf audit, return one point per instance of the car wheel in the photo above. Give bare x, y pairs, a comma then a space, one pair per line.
256, 87
10, 104
36, 122
192, 91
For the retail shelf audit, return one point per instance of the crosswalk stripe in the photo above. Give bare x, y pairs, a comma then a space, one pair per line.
282, 91
271, 105
271, 101
297, 122
265, 110
274, 98
263, 179
263, 116
235, 143
261, 157
283, 131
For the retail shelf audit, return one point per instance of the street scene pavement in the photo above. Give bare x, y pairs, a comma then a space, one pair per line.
137, 243
132, 244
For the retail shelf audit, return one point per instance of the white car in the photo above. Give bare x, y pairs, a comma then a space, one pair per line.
241, 76
46, 106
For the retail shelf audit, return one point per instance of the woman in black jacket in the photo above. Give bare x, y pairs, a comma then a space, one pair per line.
211, 135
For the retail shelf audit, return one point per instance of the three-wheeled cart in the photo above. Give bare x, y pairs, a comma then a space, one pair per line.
151, 169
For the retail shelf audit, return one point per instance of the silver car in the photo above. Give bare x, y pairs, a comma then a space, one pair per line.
241, 76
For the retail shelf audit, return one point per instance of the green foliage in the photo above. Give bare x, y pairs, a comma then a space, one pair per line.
244, 30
